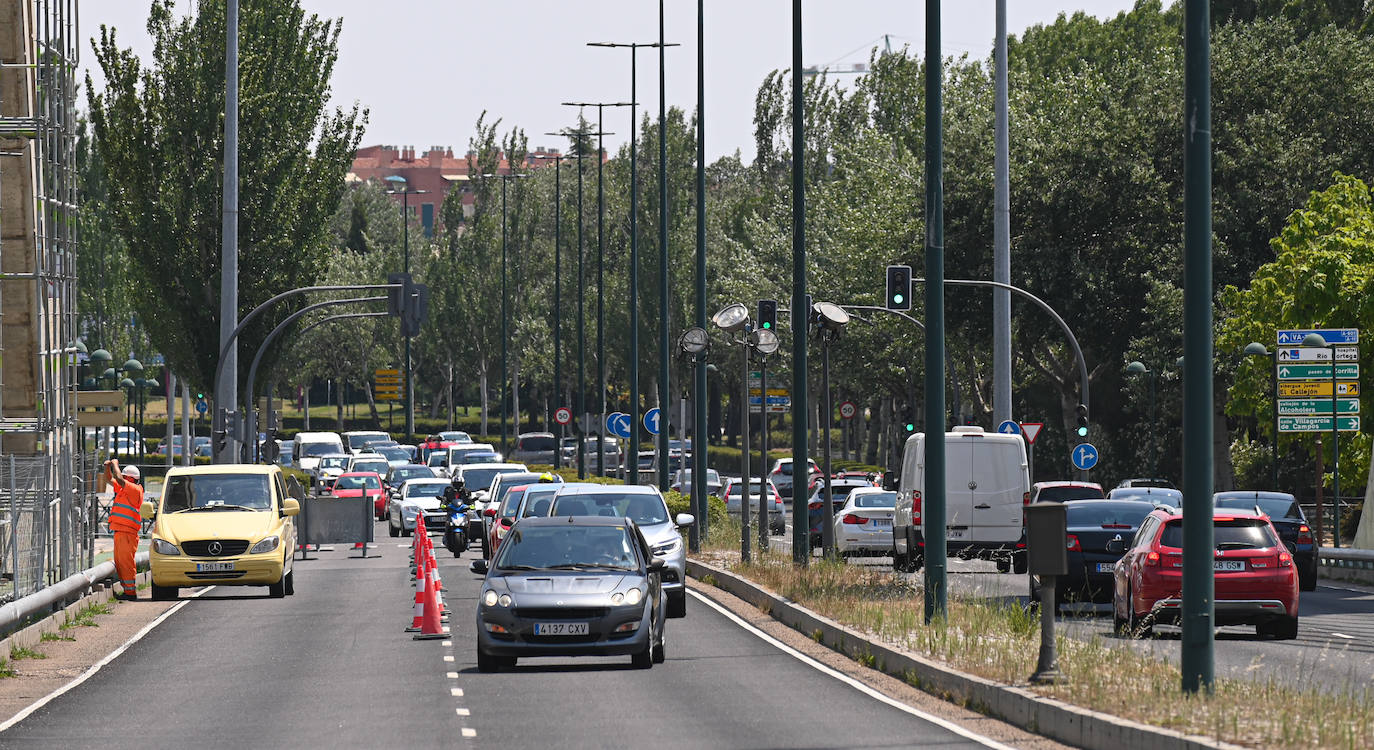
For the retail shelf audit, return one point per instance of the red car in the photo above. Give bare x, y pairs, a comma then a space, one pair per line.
362, 484
503, 518
1256, 582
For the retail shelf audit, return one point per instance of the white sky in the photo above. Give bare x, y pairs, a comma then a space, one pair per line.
427, 68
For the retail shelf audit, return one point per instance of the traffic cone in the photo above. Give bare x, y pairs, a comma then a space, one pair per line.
418, 619
438, 594
431, 623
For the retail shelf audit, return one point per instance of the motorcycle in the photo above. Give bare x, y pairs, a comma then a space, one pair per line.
456, 528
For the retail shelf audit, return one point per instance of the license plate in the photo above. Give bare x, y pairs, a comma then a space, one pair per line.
214, 567
561, 628
882, 523
1106, 567
1229, 565
957, 533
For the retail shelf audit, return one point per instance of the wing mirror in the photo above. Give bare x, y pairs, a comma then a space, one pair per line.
656, 565
890, 482
685, 519
148, 511
478, 566
290, 507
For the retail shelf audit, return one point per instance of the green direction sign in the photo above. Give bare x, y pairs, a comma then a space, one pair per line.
1317, 405
1313, 371
1317, 424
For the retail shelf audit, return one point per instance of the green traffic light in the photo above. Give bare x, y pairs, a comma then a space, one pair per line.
898, 298
766, 324
910, 427
1082, 431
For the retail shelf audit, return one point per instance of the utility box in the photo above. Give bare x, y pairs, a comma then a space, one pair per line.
1047, 532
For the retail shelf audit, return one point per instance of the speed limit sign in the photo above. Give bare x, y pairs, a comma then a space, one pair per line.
562, 415
848, 410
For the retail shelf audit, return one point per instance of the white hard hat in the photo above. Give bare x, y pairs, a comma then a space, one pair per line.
130, 472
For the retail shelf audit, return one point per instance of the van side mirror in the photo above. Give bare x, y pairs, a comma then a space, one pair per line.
890, 481
148, 511
478, 566
290, 507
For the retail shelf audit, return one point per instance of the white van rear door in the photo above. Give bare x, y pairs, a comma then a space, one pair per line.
996, 487
959, 517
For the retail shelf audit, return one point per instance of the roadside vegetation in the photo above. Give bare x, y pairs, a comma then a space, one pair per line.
1000, 641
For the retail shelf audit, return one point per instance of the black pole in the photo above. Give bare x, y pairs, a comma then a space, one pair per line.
581, 409
504, 313
764, 497
700, 452
632, 460
828, 514
558, 295
801, 545
1274, 389
663, 372
1154, 426
744, 454
409, 386
600, 294
934, 500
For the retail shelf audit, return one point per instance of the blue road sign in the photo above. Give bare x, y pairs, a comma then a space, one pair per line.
1009, 427
618, 424
202, 407
651, 421
1294, 336
1084, 456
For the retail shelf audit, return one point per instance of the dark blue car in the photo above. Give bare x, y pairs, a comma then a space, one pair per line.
1100, 532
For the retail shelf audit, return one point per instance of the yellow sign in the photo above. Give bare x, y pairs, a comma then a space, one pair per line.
1314, 388
388, 380
387, 373
388, 396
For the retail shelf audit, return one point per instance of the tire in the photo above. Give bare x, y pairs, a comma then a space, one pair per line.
659, 652
278, 590
917, 562
677, 604
1283, 629
1004, 566
1138, 627
391, 531
1119, 624
486, 548
165, 593
487, 662
644, 658
899, 562
290, 582
405, 531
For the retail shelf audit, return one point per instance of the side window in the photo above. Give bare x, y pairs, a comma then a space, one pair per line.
280, 489
1145, 532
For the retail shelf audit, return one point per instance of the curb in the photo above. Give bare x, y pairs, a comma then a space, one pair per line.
31, 636
1048, 717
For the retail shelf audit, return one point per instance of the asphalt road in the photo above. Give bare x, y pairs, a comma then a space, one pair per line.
332, 666
1334, 647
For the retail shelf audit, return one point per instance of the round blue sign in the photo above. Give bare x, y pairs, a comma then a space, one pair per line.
1084, 456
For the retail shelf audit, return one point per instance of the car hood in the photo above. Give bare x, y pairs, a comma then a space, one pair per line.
660, 533
216, 524
535, 583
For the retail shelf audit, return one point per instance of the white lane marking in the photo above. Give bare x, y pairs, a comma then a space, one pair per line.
456, 692
45, 700
451, 675
1343, 635
448, 657
463, 712
445, 643
850, 681
469, 732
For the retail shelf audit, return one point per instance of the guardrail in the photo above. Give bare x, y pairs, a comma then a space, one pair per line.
1350, 559
51, 598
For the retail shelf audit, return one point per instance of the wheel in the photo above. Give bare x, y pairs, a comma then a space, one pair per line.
278, 590
660, 650
487, 662
291, 583
391, 530
1307, 581
1138, 627
1004, 566
405, 531
644, 658
1119, 624
917, 562
899, 562
677, 604
1283, 628
164, 593
486, 548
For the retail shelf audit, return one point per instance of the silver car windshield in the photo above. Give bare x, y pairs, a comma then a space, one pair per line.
567, 547
643, 509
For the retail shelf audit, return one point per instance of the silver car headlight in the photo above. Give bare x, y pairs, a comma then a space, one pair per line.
633, 597
164, 547
668, 547
491, 599
266, 545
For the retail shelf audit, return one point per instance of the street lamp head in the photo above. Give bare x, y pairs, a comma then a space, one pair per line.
830, 316
1137, 368
764, 341
109, 373
1256, 349
80, 346
152, 384
1315, 340
132, 365
395, 179
126, 383
100, 356
732, 318
694, 340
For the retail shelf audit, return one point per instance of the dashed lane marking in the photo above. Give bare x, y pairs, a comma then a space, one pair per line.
451, 675
463, 712
448, 657
1343, 635
469, 732
456, 692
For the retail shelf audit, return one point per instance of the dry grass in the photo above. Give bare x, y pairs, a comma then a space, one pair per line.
1000, 642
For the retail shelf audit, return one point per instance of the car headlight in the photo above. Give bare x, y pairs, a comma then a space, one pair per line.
505, 600
490, 598
633, 596
668, 547
266, 545
164, 547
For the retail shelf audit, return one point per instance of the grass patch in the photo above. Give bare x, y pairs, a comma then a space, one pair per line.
6, 670
23, 652
58, 636
85, 617
999, 641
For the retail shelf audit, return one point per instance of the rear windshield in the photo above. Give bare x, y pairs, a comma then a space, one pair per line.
785, 469
1241, 533
310, 450
480, 479
357, 441
1107, 514
642, 508
568, 547
436, 459
209, 491
357, 483
334, 463
426, 489
394, 454
374, 465
1060, 494
1273, 507
876, 500
539, 443
417, 472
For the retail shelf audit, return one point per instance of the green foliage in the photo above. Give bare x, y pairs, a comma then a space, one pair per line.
681, 503
159, 133
22, 652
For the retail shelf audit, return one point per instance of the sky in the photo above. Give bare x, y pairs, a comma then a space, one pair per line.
426, 69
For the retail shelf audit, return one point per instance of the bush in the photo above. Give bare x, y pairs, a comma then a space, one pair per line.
680, 503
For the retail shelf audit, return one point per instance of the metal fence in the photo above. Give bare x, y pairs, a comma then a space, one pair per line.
48, 522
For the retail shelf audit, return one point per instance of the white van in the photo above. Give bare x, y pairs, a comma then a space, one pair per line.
311, 445
358, 439
987, 485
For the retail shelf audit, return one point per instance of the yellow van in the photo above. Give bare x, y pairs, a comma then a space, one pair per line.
223, 525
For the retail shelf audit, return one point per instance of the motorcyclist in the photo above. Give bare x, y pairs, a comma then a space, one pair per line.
455, 500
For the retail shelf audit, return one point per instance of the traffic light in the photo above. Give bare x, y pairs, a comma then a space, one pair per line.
415, 309
768, 314
1082, 420
396, 298
899, 287
908, 420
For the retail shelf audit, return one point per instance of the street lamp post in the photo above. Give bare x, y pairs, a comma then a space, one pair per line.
633, 360
400, 184
1317, 340
505, 312
831, 320
694, 342
1256, 349
557, 294
764, 342
1139, 368
733, 318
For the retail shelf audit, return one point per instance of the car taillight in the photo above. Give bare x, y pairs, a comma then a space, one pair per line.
1152, 559
1073, 545
1025, 498
1304, 534
850, 518
1285, 560
915, 507
814, 506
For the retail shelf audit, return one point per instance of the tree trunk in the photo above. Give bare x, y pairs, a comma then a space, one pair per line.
1364, 533
372, 409
515, 394
448, 395
482, 383
872, 424
338, 407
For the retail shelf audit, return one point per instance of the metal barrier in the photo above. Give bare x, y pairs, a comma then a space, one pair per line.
325, 519
1350, 559
47, 521
52, 598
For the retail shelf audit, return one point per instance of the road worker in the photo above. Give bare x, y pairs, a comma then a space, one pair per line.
125, 523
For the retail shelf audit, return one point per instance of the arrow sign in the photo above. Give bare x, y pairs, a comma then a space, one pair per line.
1008, 427
1318, 406
1315, 388
1031, 430
1294, 336
1084, 456
1310, 371
202, 407
651, 421
1313, 354
1317, 424
618, 424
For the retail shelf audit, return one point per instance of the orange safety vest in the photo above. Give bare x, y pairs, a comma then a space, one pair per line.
126, 509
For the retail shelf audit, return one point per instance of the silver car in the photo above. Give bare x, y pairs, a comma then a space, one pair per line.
645, 506
569, 587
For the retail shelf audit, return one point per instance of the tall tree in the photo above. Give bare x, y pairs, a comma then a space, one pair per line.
159, 131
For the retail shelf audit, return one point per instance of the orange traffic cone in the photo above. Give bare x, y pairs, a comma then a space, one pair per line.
418, 619
431, 624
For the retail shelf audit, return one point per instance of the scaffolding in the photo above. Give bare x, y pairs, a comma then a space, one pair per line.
46, 484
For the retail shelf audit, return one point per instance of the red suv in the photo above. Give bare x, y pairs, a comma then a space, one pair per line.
1256, 582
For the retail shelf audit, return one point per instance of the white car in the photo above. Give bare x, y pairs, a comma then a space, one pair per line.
863, 525
329, 468
374, 462
416, 497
